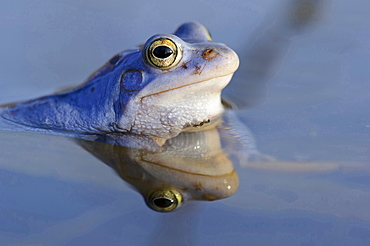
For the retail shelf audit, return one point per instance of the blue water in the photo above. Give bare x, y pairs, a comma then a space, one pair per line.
302, 89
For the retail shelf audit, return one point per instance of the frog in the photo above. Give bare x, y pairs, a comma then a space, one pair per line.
170, 84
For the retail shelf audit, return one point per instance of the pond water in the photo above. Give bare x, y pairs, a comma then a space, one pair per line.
302, 90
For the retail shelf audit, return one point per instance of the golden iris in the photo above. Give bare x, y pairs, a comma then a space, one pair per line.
165, 200
163, 53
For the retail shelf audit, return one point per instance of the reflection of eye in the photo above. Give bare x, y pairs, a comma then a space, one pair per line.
164, 200
163, 53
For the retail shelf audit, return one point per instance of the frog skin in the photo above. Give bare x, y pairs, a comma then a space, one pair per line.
168, 85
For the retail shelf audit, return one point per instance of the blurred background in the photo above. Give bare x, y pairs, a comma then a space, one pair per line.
46, 45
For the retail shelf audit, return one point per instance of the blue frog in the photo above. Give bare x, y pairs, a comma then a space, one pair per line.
168, 85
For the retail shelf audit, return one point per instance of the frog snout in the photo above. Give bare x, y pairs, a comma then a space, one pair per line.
226, 57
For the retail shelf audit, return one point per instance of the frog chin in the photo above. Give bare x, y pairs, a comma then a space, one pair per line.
214, 85
164, 115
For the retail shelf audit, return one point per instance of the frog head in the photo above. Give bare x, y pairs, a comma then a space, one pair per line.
177, 83
168, 85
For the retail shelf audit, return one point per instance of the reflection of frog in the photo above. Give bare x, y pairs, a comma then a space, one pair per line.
191, 166
170, 84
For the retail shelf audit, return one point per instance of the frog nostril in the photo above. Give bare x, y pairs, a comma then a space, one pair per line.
209, 54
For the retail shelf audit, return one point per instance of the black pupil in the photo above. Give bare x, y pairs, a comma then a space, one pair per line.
163, 202
162, 52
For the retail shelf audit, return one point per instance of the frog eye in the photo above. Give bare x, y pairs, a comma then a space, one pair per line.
163, 53
164, 200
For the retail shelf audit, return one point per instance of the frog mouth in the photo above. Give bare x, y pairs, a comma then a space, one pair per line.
194, 83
